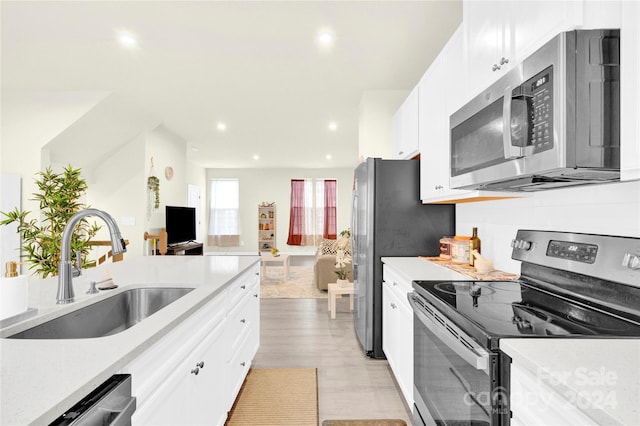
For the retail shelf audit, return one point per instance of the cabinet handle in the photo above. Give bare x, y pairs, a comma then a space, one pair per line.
401, 152
200, 364
257, 273
438, 187
243, 320
255, 295
395, 283
495, 67
243, 363
503, 61
393, 305
195, 371
243, 286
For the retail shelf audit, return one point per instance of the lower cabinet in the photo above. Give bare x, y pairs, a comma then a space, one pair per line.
534, 403
397, 331
193, 374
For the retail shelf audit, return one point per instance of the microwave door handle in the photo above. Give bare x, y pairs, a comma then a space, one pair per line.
510, 151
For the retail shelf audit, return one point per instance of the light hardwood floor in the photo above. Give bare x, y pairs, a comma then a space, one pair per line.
299, 333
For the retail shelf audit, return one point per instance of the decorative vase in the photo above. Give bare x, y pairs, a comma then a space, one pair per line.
343, 283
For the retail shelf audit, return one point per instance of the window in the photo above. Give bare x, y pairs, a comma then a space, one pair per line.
313, 211
224, 212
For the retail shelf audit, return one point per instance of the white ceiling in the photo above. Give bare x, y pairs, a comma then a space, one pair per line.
253, 65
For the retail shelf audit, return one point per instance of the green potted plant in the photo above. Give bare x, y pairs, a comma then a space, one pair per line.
59, 198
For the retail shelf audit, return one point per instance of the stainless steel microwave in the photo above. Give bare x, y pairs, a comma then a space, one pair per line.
552, 121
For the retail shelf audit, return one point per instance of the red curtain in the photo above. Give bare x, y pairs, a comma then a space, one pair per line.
330, 226
296, 215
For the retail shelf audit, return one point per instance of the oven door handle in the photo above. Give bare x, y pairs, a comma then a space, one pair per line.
452, 336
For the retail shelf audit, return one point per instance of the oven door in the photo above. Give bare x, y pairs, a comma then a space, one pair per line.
456, 381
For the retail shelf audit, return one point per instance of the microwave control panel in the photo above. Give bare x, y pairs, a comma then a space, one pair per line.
539, 94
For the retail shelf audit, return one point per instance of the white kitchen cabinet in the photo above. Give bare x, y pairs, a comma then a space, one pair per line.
193, 374
498, 34
630, 90
442, 92
405, 127
533, 403
436, 88
397, 330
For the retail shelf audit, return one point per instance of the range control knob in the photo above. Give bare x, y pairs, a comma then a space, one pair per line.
631, 261
521, 244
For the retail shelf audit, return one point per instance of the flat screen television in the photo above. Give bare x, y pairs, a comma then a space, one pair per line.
181, 224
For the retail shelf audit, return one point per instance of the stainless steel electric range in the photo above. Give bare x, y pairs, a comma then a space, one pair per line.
571, 286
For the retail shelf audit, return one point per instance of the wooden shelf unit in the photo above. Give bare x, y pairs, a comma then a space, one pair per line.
266, 228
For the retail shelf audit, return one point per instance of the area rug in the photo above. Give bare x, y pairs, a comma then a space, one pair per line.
277, 396
370, 422
300, 284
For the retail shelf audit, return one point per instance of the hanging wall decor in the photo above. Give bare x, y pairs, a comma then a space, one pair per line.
153, 191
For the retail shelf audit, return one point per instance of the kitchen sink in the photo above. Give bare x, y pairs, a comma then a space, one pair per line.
106, 317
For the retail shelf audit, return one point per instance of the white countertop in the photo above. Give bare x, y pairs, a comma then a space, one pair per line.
40, 379
416, 268
602, 376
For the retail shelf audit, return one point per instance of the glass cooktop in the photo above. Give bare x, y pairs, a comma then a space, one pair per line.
517, 309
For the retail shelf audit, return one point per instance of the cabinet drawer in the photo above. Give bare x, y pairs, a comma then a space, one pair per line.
243, 285
400, 286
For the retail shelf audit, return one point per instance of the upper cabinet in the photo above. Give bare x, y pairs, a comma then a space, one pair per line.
441, 94
499, 34
405, 127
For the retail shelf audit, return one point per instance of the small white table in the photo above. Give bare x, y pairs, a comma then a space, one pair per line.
269, 258
334, 290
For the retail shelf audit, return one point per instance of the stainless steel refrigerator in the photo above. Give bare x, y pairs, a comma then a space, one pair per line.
388, 219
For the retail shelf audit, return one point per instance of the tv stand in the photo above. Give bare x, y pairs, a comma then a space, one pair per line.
189, 249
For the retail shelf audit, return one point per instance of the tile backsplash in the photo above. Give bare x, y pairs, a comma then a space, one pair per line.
612, 209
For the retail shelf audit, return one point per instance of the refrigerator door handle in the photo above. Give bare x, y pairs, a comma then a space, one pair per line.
354, 228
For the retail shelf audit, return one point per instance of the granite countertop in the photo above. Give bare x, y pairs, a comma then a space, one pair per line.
40, 379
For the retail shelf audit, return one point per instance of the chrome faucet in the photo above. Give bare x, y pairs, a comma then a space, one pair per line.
65, 272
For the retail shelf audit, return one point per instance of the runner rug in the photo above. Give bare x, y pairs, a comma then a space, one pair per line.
277, 396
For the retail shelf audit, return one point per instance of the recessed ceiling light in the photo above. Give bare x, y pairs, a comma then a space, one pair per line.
127, 39
328, 157
325, 37
221, 127
256, 157
333, 126
195, 149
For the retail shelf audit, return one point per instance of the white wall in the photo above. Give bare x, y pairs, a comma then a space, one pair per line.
375, 127
29, 121
121, 182
611, 209
258, 185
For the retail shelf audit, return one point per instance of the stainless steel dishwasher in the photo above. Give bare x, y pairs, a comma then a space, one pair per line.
110, 404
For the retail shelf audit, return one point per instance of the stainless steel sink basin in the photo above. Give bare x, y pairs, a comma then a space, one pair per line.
106, 317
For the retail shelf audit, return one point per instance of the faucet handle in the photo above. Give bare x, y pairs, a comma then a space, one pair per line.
77, 270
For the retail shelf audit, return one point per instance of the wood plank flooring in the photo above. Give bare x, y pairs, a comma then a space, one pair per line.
299, 333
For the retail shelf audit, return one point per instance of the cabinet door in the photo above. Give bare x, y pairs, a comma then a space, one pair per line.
169, 403
389, 325
437, 86
208, 390
486, 42
405, 127
405, 350
499, 34
630, 91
